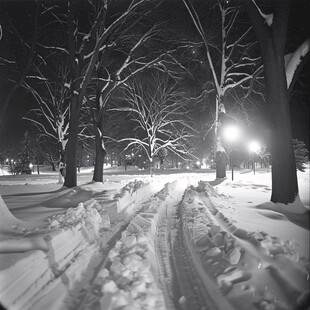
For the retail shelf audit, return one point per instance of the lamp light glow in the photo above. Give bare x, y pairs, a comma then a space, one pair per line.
231, 133
254, 146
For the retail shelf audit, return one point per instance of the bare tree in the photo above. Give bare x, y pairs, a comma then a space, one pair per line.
85, 48
160, 118
136, 50
280, 72
232, 65
51, 117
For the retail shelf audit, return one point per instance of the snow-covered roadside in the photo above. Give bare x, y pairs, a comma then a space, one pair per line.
246, 202
48, 261
248, 266
116, 247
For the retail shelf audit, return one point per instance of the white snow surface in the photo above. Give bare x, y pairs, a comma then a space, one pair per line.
171, 241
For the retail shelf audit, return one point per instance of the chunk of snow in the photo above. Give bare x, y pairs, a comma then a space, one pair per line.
215, 230
213, 252
129, 241
233, 256
117, 268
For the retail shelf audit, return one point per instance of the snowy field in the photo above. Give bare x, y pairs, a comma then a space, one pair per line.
174, 241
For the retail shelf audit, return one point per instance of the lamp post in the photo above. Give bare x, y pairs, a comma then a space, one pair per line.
31, 167
132, 158
254, 147
231, 134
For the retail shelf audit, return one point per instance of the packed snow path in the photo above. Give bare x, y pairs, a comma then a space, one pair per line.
178, 275
150, 245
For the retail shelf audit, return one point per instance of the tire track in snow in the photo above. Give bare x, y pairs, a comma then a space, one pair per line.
179, 279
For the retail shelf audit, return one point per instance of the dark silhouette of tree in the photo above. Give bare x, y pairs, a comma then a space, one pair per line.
270, 30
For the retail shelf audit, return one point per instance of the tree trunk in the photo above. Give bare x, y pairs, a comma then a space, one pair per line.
220, 156
100, 155
272, 39
53, 167
151, 167
221, 161
71, 152
284, 177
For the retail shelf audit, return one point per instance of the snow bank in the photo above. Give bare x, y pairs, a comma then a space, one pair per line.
247, 266
10, 224
58, 253
48, 255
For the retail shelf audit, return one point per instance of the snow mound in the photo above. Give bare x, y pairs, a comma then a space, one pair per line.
10, 224
241, 262
68, 240
296, 207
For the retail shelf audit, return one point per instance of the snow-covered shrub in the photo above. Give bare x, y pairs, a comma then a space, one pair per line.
301, 154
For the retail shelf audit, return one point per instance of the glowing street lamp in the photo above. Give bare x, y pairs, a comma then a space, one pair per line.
254, 147
231, 134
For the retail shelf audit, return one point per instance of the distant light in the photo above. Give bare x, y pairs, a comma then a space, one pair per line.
254, 146
139, 155
12, 160
30, 165
132, 154
198, 163
231, 133
187, 167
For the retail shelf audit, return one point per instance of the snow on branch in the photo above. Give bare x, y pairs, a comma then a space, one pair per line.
293, 60
61, 49
267, 17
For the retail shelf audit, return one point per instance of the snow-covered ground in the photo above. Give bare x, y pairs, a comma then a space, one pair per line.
173, 241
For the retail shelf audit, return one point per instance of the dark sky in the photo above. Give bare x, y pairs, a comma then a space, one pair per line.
21, 14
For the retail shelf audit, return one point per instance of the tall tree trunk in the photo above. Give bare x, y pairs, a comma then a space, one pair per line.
272, 39
151, 167
100, 155
284, 177
220, 156
71, 147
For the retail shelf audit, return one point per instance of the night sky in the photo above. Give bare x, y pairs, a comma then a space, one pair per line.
21, 15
